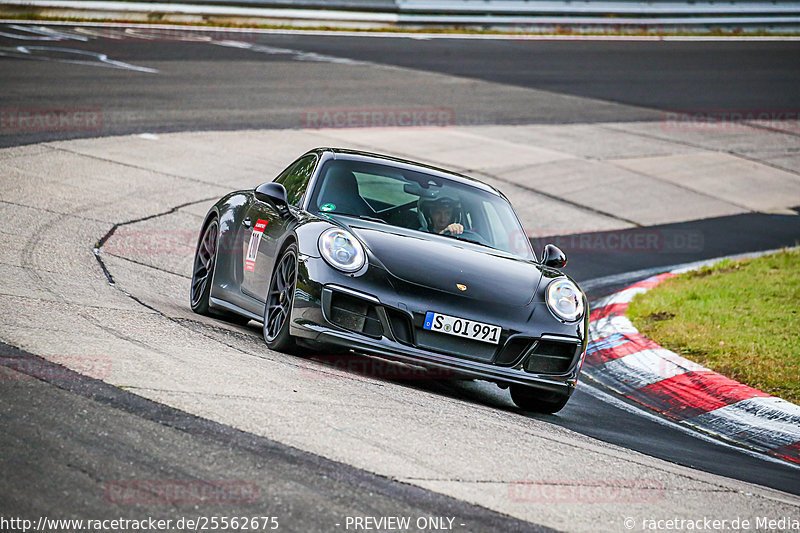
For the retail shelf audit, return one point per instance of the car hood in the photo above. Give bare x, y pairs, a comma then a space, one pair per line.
443, 263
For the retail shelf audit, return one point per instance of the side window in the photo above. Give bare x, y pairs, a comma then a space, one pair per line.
295, 178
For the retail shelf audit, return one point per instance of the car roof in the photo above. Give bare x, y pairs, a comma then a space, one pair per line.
369, 157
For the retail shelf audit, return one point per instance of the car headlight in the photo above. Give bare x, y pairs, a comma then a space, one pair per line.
565, 300
341, 250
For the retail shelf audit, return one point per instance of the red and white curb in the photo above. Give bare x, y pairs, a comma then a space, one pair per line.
621, 358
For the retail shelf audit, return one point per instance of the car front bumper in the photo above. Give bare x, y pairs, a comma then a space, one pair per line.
312, 320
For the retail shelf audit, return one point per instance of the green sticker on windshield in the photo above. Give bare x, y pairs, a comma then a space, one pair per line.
327, 207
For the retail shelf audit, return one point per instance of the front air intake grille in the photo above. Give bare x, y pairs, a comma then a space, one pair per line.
355, 314
551, 357
452, 345
401, 326
514, 348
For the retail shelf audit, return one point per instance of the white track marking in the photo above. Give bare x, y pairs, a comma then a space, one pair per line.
772, 420
40, 33
626, 296
603, 327
416, 35
32, 35
144, 34
139, 33
643, 368
624, 406
108, 33
765, 423
100, 59
298, 55
45, 30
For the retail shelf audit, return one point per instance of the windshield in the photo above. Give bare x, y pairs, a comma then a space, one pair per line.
421, 202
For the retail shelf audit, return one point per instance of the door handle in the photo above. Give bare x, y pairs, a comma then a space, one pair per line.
246, 222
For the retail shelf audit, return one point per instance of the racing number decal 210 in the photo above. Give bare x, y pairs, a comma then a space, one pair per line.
252, 248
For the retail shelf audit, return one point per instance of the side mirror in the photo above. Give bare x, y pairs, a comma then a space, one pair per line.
552, 256
275, 194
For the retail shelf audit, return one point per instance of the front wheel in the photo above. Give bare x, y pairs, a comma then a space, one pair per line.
538, 401
278, 308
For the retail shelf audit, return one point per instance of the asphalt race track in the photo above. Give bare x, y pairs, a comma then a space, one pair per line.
226, 86
151, 439
66, 435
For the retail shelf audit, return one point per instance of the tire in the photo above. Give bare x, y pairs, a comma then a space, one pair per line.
205, 259
538, 401
280, 298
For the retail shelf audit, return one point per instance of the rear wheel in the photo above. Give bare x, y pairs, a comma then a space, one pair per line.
279, 302
203, 271
205, 260
538, 401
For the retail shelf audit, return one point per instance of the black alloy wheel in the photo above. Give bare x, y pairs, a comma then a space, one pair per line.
279, 302
203, 271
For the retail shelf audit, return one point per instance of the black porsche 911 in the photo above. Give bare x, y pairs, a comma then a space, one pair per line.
399, 260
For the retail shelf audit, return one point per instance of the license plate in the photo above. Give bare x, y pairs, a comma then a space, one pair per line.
461, 327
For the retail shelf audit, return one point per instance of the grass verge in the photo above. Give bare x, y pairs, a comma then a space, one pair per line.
738, 318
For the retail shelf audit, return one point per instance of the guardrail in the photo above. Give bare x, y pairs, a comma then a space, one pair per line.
519, 14
599, 7
526, 7
366, 5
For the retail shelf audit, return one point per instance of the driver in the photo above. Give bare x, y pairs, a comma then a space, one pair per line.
441, 214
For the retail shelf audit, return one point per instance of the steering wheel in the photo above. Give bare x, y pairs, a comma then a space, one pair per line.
468, 235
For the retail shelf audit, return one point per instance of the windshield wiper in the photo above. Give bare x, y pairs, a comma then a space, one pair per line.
374, 219
362, 217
